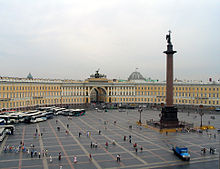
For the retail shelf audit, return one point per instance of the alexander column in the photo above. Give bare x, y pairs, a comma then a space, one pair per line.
169, 112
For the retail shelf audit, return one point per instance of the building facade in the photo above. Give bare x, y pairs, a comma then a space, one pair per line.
23, 93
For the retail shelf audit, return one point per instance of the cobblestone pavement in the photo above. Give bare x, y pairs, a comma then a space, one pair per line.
156, 152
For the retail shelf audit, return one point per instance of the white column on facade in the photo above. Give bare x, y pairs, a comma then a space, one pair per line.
88, 91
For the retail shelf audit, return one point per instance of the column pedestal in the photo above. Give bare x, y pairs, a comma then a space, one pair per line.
169, 117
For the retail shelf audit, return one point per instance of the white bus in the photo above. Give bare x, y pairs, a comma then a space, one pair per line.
2, 133
6, 129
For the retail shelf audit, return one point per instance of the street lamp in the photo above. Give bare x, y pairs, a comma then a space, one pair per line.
140, 110
219, 152
201, 114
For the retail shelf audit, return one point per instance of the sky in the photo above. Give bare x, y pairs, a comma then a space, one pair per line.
71, 39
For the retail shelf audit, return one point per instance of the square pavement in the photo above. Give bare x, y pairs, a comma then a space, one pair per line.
156, 152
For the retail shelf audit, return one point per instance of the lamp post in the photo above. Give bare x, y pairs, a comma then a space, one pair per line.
219, 151
140, 110
201, 114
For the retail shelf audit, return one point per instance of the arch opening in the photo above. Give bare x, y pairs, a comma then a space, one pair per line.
98, 95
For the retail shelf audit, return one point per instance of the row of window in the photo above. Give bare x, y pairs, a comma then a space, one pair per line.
29, 88
26, 94
214, 95
157, 100
180, 88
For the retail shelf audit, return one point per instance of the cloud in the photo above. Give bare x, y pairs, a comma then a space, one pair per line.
69, 39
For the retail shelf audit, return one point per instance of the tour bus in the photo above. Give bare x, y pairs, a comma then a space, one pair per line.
2, 122
44, 108
49, 115
38, 118
6, 129
76, 112
57, 109
28, 117
6, 118
2, 133
14, 118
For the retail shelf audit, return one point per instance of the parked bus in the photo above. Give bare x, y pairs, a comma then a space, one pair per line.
6, 129
2, 122
76, 112
6, 118
38, 118
27, 119
2, 133
49, 115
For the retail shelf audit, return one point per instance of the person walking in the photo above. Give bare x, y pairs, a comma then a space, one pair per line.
90, 157
141, 148
106, 144
118, 158
80, 134
74, 159
59, 156
51, 159
39, 154
136, 150
91, 145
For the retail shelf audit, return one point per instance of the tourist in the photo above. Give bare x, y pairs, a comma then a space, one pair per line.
141, 148
80, 134
59, 156
124, 138
74, 159
39, 154
136, 150
91, 145
51, 159
106, 144
135, 145
90, 156
67, 125
46, 152
118, 158
99, 132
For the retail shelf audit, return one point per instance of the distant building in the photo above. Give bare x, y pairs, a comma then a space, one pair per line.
29, 76
22, 93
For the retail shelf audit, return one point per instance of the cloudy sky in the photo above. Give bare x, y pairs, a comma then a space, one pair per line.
70, 39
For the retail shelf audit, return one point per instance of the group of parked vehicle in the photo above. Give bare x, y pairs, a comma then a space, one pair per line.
32, 116
38, 115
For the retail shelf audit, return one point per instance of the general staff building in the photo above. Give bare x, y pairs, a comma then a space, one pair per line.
23, 93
